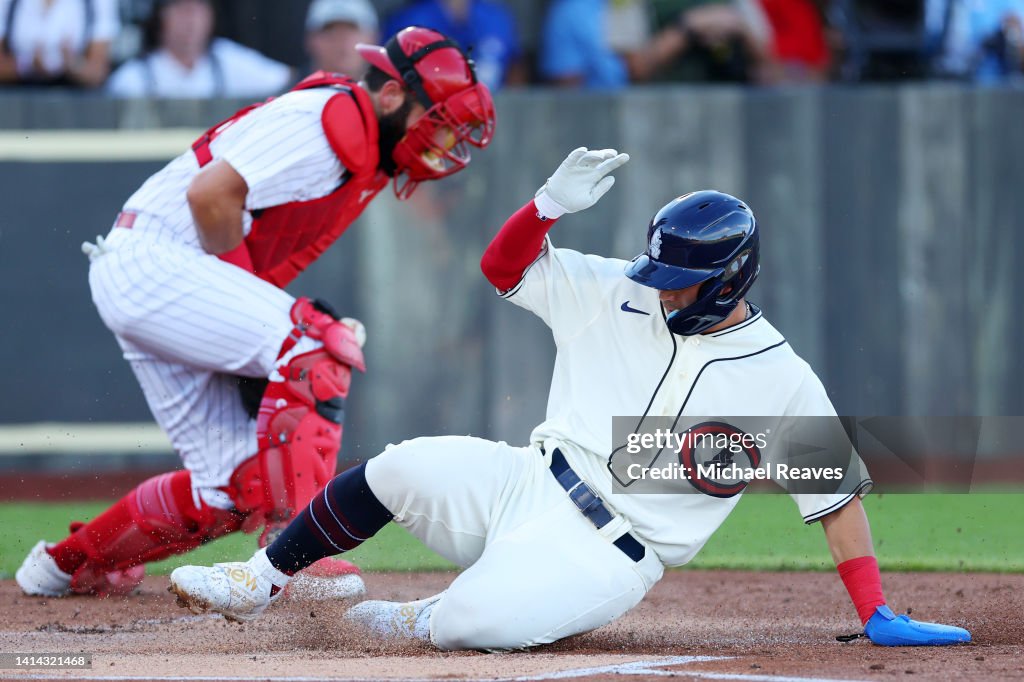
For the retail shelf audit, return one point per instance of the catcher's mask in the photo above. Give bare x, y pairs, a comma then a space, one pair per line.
707, 238
459, 109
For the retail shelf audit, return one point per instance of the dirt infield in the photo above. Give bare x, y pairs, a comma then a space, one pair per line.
703, 624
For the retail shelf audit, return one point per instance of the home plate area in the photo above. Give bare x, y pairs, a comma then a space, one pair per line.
714, 625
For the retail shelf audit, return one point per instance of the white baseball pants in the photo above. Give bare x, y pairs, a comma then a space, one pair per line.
538, 570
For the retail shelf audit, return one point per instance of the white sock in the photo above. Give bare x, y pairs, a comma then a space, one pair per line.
261, 565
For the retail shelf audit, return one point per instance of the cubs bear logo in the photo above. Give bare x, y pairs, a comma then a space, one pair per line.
708, 456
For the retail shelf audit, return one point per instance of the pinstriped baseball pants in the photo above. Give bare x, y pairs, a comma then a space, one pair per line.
185, 320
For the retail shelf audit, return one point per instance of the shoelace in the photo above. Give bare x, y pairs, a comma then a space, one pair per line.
94, 251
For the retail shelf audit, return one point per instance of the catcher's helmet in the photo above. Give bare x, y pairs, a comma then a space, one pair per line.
707, 238
460, 111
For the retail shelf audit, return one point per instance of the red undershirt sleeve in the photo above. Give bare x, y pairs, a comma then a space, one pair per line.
239, 256
515, 247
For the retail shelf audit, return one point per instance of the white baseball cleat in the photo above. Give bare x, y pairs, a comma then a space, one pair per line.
239, 591
39, 575
395, 620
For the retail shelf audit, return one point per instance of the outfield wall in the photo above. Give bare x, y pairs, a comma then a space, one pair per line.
891, 218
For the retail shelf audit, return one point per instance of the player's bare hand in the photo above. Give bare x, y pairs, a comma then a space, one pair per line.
582, 179
357, 327
94, 251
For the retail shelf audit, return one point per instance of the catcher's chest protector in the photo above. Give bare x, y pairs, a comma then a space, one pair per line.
285, 239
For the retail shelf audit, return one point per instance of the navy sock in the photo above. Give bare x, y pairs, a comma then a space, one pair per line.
339, 518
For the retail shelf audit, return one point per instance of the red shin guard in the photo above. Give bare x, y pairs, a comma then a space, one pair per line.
299, 426
157, 519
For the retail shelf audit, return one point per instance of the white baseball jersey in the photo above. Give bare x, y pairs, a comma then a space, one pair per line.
281, 151
184, 318
227, 69
616, 357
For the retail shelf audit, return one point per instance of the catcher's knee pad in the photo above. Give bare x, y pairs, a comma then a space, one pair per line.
165, 519
299, 425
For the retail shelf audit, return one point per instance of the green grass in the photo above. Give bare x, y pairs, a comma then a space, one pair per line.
24, 524
977, 532
919, 532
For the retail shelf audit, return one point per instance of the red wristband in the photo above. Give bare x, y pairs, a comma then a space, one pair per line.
238, 256
864, 583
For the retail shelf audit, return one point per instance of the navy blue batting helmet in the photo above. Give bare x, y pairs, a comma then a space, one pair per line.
707, 238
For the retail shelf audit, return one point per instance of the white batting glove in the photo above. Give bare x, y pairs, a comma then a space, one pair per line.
579, 182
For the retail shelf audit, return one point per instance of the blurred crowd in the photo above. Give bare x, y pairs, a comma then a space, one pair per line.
179, 48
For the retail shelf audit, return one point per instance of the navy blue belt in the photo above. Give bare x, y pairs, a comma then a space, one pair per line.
591, 505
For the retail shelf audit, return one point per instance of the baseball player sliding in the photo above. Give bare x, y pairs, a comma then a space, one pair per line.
668, 333
190, 281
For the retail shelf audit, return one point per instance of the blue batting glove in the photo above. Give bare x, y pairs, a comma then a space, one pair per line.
886, 628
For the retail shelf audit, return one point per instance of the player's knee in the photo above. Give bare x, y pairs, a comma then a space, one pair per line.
399, 469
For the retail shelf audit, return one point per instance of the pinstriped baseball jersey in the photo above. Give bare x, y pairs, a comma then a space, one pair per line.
187, 320
292, 161
616, 357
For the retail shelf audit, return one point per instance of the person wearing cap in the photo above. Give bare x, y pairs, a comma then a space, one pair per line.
182, 59
248, 382
334, 28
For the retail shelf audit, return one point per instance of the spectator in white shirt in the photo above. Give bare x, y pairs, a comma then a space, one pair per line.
57, 42
184, 60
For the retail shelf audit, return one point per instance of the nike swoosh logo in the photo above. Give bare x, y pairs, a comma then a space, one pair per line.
626, 309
